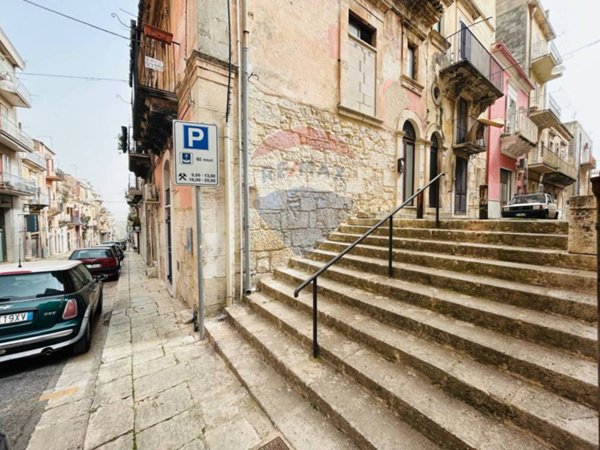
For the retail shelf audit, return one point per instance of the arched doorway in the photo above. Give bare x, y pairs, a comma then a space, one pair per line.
434, 169
408, 141
167, 206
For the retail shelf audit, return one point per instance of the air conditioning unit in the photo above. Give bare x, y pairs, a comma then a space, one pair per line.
150, 192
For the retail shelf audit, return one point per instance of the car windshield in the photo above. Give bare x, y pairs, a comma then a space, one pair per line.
34, 285
520, 199
90, 254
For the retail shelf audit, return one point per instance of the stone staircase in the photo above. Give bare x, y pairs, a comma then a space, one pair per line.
485, 337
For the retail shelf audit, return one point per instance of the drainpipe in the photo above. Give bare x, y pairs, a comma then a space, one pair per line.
245, 147
229, 218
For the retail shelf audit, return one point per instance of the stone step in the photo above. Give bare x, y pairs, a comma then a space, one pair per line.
446, 420
487, 388
567, 279
527, 255
300, 424
553, 241
566, 374
347, 404
557, 301
518, 225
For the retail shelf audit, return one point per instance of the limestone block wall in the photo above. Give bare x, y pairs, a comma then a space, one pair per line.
310, 169
582, 225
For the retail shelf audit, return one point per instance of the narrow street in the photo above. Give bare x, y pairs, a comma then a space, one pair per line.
147, 383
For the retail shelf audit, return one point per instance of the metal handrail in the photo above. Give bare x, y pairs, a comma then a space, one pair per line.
390, 219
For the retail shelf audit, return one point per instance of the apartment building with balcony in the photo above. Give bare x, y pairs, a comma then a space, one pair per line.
15, 190
581, 152
512, 136
525, 28
351, 107
33, 169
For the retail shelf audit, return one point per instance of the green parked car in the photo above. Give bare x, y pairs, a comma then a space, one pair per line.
46, 306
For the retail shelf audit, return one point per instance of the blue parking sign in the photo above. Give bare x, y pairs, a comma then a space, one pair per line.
195, 137
186, 158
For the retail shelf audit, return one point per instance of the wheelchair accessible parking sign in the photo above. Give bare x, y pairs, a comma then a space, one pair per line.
196, 154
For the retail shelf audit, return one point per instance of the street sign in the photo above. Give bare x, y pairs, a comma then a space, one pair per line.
196, 154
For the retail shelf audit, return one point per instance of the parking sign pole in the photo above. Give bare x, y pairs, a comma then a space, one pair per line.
199, 256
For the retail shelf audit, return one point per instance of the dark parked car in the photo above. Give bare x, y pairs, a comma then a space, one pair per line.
123, 244
531, 205
116, 248
46, 306
99, 261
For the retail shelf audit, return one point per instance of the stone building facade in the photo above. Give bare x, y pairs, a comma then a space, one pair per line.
581, 151
352, 106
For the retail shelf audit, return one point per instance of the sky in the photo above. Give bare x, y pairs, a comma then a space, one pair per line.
78, 119
81, 119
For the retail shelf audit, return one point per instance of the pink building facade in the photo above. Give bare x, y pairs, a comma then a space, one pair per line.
511, 136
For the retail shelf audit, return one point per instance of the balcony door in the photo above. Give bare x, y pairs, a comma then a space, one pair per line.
505, 186
462, 121
460, 186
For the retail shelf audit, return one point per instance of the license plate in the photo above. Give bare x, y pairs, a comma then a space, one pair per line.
6, 319
93, 266
521, 214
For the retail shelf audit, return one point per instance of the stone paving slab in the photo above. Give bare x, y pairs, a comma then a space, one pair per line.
149, 384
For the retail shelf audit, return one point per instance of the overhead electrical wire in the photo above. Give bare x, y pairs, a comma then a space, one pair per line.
75, 19
56, 75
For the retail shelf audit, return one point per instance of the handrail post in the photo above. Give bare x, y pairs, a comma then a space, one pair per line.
437, 203
315, 343
390, 245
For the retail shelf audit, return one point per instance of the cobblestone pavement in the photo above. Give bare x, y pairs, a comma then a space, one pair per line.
156, 386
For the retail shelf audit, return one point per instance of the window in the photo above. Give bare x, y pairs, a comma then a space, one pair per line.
511, 110
411, 62
361, 68
361, 31
35, 285
438, 26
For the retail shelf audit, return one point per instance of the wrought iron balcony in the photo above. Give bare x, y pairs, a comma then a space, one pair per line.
12, 184
520, 135
139, 163
134, 196
544, 60
13, 137
544, 110
469, 68
472, 139
11, 87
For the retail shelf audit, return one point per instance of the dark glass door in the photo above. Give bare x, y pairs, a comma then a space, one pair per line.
433, 172
409, 161
460, 188
169, 246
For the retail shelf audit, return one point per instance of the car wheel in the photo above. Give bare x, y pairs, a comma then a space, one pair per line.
83, 345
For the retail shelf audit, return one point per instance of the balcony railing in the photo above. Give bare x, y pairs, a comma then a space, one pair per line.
464, 46
520, 123
10, 82
543, 48
35, 158
14, 131
567, 169
542, 101
15, 183
586, 158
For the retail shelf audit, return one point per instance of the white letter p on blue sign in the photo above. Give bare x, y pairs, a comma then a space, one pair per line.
195, 137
